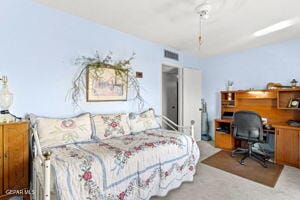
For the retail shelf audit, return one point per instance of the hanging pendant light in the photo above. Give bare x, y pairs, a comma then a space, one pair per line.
203, 11
200, 39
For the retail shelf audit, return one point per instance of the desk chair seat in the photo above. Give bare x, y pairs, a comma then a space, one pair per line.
248, 126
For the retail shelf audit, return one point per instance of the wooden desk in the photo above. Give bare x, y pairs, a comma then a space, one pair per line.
287, 141
270, 104
225, 140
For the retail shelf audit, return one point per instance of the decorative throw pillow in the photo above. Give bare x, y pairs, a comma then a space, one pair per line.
57, 132
111, 125
143, 121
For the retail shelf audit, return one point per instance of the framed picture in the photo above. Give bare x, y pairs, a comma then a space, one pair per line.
294, 103
105, 85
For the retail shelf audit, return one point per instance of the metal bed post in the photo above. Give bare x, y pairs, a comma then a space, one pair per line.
47, 173
44, 158
193, 129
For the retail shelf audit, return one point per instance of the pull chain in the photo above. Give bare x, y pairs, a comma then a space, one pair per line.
200, 38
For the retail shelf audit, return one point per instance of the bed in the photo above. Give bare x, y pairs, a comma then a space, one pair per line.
134, 166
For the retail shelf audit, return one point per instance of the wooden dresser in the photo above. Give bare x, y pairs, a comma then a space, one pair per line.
14, 159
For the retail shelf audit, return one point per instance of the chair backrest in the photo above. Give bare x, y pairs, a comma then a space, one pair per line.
248, 125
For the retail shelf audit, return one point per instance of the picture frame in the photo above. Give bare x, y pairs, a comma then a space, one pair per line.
104, 84
294, 103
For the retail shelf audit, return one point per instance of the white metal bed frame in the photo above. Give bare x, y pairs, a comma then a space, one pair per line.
41, 187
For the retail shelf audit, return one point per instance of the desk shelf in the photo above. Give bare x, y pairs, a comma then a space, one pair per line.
283, 108
228, 99
284, 97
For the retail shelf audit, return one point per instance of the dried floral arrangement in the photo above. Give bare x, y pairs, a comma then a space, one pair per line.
122, 68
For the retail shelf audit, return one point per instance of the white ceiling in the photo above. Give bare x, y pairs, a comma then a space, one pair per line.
174, 23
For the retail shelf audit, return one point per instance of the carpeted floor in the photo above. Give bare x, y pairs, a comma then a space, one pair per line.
215, 184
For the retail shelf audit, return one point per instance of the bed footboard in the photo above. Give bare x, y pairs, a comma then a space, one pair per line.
186, 129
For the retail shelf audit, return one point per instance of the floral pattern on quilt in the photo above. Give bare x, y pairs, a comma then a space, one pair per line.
157, 172
55, 132
114, 125
151, 163
143, 121
69, 130
86, 176
122, 156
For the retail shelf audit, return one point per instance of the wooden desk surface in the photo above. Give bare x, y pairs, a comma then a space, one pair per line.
224, 120
274, 125
285, 126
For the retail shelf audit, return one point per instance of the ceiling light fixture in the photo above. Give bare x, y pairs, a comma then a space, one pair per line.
203, 11
275, 27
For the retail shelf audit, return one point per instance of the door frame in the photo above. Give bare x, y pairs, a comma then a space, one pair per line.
180, 84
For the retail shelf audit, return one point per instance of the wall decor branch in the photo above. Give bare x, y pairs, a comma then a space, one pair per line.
103, 79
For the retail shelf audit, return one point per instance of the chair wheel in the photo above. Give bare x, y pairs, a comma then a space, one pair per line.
242, 162
265, 165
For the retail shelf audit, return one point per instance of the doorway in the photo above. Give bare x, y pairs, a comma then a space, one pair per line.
181, 96
170, 93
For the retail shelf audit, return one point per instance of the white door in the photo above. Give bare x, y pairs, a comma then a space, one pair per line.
191, 99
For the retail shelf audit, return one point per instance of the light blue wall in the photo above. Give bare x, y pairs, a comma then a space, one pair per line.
38, 46
252, 68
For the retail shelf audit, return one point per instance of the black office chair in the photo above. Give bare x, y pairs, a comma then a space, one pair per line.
248, 126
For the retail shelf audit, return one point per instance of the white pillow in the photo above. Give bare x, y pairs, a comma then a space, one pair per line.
56, 132
143, 121
111, 125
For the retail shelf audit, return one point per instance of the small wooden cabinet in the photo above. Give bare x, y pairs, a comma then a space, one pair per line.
14, 157
223, 137
288, 146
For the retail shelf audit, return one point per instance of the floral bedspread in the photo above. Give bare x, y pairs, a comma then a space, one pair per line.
128, 167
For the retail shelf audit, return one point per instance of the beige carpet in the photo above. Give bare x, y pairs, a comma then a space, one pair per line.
252, 169
214, 184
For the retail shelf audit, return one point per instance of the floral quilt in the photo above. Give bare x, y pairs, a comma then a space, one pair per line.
129, 167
